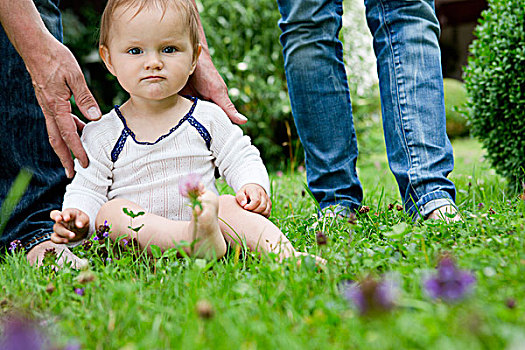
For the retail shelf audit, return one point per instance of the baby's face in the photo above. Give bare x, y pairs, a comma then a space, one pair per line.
149, 52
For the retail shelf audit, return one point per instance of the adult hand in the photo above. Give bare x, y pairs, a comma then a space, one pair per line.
56, 77
208, 84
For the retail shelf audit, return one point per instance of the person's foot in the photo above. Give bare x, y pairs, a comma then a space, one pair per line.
318, 260
447, 213
63, 255
209, 241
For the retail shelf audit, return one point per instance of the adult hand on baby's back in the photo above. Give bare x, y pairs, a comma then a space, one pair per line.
253, 197
206, 82
56, 77
71, 225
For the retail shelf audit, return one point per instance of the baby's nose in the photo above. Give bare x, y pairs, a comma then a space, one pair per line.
153, 61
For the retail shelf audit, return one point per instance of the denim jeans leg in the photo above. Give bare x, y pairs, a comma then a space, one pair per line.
24, 144
320, 98
412, 100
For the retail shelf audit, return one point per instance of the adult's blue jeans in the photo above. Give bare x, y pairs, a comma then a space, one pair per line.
24, 144
411, 84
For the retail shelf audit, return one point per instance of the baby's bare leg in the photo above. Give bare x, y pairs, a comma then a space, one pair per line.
63, 254
163, 232
259, 233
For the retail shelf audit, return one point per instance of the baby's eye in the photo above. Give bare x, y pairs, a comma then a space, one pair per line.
169, 49
135, 51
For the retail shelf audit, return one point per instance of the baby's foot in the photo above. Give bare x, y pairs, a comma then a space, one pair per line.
209, 241
445, 213
318, 260
285, 250
63, 255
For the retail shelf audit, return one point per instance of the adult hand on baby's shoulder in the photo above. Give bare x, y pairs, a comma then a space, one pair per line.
253, 197
56, 77
71, 225
206, 83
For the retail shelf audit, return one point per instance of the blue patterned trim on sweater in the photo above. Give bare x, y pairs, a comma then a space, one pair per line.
127, 131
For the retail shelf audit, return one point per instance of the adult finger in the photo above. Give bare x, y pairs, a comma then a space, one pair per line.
79, 123
68, 131
222, 100
83, 97
59, 146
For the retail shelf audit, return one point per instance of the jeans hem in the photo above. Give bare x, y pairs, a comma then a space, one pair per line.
428, 203
36, 240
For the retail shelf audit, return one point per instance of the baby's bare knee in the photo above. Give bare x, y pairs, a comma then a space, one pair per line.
113, 210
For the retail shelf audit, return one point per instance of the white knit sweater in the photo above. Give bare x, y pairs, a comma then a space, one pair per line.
148, 174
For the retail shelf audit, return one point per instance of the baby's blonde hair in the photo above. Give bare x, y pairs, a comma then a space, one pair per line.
185, 8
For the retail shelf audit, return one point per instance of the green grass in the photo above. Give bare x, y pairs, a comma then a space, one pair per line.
261, 304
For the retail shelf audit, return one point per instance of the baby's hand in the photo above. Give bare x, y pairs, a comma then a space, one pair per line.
71, 225
253, 197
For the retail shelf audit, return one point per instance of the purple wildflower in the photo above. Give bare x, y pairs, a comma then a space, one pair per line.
189, 185
450, 283
102, 232
125, 242
87, 244
510, 303
73, 346
15, 246
19, 333
79, 291
480, 205
321, 238
50, 256
371, 296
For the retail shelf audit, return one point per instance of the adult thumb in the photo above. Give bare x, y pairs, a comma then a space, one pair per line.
229, 108
83, 97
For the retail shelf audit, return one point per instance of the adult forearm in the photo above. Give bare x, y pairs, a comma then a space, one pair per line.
56, 76
25, 29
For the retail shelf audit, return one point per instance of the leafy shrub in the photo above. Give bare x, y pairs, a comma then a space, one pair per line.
455, 99
495, 83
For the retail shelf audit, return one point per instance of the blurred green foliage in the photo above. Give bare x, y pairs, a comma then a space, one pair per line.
455, 99
244, 43
495, 83
243, 38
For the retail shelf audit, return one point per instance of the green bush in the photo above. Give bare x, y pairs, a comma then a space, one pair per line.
455, 99
495, 83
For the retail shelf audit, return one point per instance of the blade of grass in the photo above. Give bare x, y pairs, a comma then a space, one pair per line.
13, 197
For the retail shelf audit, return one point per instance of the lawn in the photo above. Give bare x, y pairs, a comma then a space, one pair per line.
246, 302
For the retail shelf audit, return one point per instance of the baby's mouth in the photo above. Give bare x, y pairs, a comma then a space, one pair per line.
153, 78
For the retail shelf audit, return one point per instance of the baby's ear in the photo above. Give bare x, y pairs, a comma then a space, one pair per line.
196, 58
103, 51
